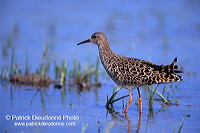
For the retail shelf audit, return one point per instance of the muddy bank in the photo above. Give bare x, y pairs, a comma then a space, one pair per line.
32, 80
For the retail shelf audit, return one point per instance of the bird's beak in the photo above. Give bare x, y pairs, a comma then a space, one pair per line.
86, 41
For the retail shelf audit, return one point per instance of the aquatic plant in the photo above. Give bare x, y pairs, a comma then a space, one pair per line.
151, 90
181, 124
9, 44
84, 127
61, 72
112, 99
84, 77
14, 69
45, 64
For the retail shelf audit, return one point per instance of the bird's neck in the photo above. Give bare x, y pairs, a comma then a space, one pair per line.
106, 54
104, 50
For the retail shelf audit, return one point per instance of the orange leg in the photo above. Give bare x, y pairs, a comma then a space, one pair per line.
129, 102
140, 100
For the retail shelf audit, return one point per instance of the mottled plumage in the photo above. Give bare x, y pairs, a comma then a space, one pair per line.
131, 73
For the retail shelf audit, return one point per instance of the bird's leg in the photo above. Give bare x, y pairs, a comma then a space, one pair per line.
129, 102
140, 100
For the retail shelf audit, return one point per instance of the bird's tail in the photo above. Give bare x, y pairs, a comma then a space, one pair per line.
167, 74
170, 72
174, 67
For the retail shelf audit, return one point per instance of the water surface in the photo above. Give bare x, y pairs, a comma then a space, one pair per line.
155, 31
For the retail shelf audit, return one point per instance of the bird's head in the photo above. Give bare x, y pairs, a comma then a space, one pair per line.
97, 38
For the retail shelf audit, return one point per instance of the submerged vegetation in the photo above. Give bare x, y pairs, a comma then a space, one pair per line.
86, 77
64, 74
46, 61
10, 40
61, 72
76, 76
151, 91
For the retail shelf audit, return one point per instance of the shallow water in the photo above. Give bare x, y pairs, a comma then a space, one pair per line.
157, 32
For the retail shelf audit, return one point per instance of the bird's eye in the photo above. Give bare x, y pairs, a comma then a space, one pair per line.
94, 37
